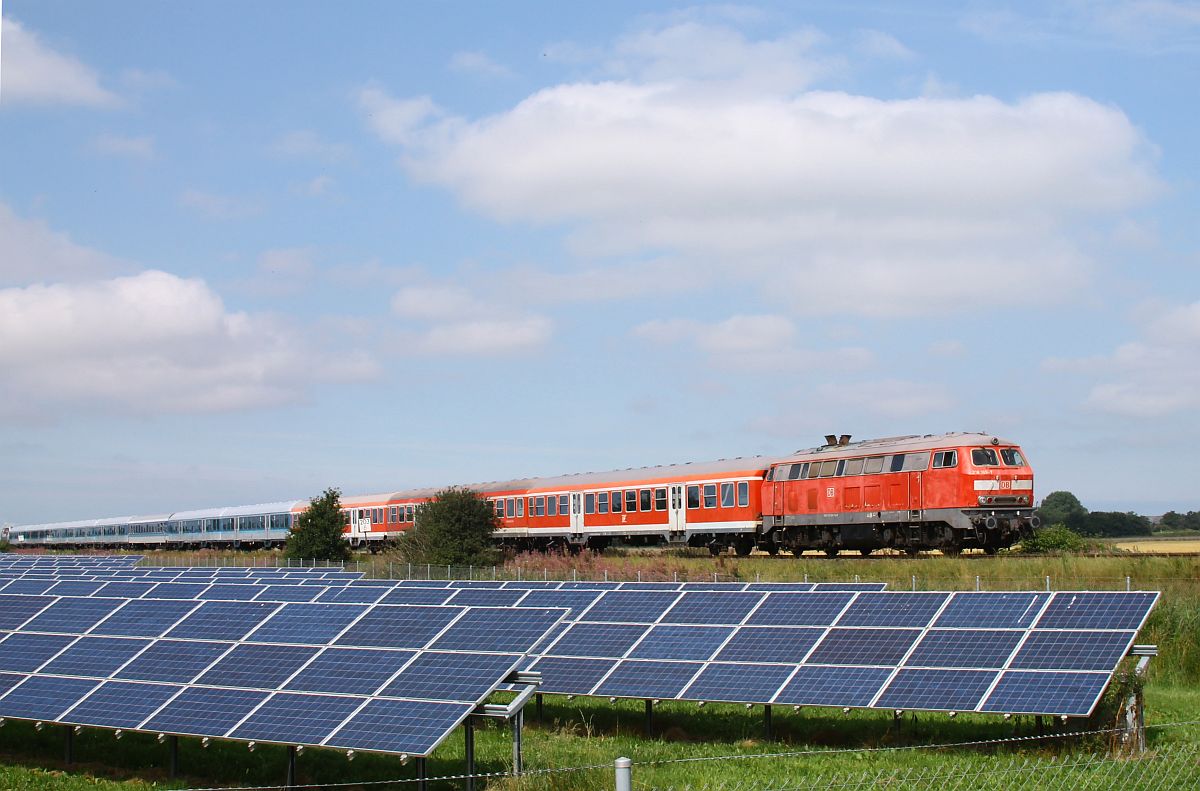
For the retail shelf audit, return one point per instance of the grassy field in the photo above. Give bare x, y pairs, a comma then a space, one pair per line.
583, 731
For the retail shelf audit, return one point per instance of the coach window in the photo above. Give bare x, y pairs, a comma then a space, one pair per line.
520, 506
562, 505
589, 503
631, 500
660, 499
510, 507
551, 506
727, 500
945, 458
828, 468
693, 497
617, 499
743, 493
602, 503
710, 495
646, 499
541, 505
915, 462
412, 513
1012, 457
873, 465
984, 457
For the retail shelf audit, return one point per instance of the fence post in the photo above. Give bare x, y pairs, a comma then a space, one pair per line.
624, 768
977, 588
1047, 583
1128, 583
914, 581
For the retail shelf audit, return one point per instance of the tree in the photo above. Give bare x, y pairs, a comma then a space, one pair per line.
317, 533
453, 529
1110, 523
1058, 508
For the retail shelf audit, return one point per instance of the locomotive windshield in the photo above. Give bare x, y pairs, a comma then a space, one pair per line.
1012, 457
984, 457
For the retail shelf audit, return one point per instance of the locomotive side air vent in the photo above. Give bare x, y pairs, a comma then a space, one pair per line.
831, 439
844, 439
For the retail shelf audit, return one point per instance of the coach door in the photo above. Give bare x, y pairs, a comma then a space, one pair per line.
677, 516
576, 512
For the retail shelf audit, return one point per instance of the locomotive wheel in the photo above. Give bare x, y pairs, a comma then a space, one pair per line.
911, 551
990, 550
864, 552
831, 553
772, 549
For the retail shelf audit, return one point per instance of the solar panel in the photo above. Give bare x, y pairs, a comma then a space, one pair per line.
16, 610
980, 648
890, 609
1097, 611
44, 697
257, 666
479, 629
397, 726
705, 607
570, 676
97, 657
863, 646
815, 685
203, 711
144, 618
1038, 692
350, 671
597, 640
738, 682
770, 644
72, 615
948, 690
399, 626
120, 704
25, 653
640, 606
800, 609
445, 676
1072, 650
648, 679
992, 610
222, 620
177, 661
681, 642
290, 718
307, 623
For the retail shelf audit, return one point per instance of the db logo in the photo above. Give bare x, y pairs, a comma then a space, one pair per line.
829, 492
1005, 484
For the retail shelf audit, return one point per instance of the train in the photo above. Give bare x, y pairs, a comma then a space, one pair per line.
949, 492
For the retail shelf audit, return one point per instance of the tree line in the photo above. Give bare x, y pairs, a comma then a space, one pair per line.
1063, 508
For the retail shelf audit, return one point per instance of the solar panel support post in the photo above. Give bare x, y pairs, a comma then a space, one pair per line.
538, 699
518, 721
469, 752
69, 744
422, 774
173, 749
290, 782
648, 725
767, 721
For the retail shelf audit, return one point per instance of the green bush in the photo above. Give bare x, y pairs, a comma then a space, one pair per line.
317, 534
453, 529
1054, 538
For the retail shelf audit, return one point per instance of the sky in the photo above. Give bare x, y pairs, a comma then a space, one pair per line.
252, 250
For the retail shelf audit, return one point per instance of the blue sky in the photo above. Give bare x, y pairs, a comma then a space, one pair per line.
251, 250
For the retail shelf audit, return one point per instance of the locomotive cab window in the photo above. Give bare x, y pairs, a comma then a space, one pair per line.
1012, 457
945, 458
984, 457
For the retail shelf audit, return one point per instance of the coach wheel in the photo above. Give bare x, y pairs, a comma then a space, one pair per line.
714, 549
771, 549
831, 553
744, 546
911, 551
864, 552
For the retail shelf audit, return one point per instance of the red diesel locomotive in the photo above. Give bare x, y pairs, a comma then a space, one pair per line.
948, 492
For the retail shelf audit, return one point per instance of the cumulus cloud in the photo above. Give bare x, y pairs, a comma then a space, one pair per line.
752, 343
33, 252
34, 73
451, 320
148, 343
1154, 376
892, 207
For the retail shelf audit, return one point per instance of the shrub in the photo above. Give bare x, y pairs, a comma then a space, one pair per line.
1054, 538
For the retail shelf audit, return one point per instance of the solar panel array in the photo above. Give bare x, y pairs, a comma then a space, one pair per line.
1018, 653
351, 676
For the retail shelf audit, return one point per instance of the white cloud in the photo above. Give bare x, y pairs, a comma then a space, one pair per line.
306, 144
32, 253
33, 73
454, 321
1154, 376
1141, 25
139, 147
840, 202
478, 63
219, 207
149, 343
754, 343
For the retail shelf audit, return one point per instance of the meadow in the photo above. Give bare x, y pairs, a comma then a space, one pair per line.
589, 732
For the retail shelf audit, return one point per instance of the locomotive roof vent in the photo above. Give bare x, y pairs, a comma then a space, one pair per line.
831, 439
844, 439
